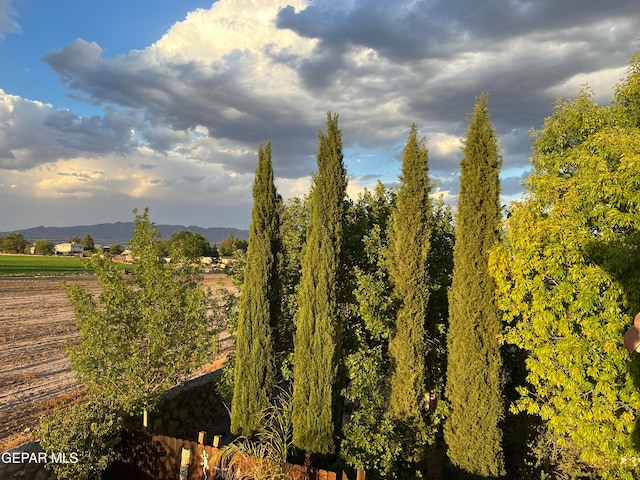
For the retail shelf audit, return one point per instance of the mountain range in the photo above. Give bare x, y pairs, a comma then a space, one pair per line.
121, 232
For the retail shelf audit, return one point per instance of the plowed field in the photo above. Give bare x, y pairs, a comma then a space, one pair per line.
36, 320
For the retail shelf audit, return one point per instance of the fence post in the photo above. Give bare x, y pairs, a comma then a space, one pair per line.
202, 436
361, 475
306, 471
184, 464
216, 441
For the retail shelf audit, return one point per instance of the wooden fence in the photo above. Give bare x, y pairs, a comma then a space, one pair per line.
158, 457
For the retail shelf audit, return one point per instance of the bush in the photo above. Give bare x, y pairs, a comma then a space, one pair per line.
86, 434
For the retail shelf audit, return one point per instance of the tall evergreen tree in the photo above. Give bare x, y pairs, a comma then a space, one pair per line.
408, 251
259, 305
474, 371
317, 341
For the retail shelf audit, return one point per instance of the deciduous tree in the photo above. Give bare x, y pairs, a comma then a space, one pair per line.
140, 337
86, 434
188, 245
13, 243
567, 274
116, 249
44, 247
294, 216
87, 241
369, 438
230, 244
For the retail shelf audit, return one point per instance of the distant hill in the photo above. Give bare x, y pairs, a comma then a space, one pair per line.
121, 232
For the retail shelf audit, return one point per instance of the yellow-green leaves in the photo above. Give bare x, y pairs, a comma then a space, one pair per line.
567, 278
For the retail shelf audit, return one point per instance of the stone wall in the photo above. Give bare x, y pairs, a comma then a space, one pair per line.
189, 409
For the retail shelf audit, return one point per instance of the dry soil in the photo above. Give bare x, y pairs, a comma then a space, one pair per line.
36, 320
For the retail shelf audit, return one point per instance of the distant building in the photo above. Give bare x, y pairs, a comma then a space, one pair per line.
69, 249
206, 261
226, 262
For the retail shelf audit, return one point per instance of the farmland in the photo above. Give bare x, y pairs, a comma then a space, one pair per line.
16, 265
36, 320
40, 265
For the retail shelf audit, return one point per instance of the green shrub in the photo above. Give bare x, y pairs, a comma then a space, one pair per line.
86, 434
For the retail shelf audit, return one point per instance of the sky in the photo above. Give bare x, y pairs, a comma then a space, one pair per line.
110, 106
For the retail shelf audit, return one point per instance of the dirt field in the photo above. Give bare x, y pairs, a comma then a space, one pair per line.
36, 320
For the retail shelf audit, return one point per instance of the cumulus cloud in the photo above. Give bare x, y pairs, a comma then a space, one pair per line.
33, 133
78, 56
212, 70
183, 117
79, 187
110, 133
248, 72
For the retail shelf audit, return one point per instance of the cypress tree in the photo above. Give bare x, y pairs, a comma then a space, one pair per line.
317, 341
474, 370
408, 250
259, 305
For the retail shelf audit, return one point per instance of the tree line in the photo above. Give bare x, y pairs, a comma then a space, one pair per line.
494, 334
183, 243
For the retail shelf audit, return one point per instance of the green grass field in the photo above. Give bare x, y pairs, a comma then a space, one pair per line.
40, 265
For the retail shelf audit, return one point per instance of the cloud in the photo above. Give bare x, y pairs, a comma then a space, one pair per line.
183, 117
601, 82
164, 139
79, 188
78, 56
212, 70
246, 72
8, 22
33, 133
110, 133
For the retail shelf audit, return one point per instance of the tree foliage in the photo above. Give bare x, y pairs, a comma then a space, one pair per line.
408, 251
188, 245
317, 342
231, 244
142, 336
88, 243
568, 283
294, 217
87, 430
369, 437
474, 370
264, 458
254, 375
13, 243
116, 249
44, 247
440, 274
